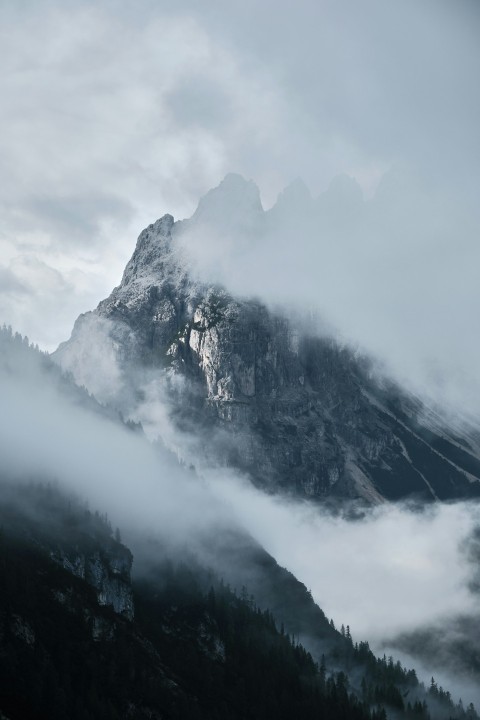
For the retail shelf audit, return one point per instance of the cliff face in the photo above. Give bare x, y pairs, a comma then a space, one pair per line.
255, 390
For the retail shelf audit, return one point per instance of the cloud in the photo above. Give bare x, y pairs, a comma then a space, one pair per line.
31, 288
394, 274
399, 575
105, 126
48, 432
397, 568
77, 216
113, 116
9, 283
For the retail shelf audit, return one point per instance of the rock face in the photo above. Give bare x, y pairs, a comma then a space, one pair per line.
108, 571
255, 390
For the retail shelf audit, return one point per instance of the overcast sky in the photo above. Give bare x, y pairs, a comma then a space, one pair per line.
112, 114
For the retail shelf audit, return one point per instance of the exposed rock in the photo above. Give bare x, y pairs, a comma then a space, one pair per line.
295, 411
102, 628
22, 630
108, 571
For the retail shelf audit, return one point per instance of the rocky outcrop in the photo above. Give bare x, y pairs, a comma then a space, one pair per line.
107, 570
67, 533
256, 390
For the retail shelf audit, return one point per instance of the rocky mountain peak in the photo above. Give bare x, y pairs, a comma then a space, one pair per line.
153, 245
293, 202
343, 192
233, 204
297, 191
294, 410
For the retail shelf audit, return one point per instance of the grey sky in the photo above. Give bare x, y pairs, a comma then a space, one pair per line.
113, 114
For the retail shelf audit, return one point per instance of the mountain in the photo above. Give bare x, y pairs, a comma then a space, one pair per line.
181, 619
252, 388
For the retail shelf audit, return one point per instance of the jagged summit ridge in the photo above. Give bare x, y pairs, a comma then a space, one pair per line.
153, 260
232, 204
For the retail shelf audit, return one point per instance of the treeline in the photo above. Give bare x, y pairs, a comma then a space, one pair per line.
387, 682
233, 656
264, 664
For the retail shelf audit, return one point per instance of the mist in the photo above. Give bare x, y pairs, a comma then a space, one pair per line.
393, 276
47, 435
396, 570
113, 116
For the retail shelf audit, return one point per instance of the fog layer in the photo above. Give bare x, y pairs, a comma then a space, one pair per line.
396, 570
393, 275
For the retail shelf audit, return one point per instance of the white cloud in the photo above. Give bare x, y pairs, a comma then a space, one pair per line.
395, 275
108, 123
394, 570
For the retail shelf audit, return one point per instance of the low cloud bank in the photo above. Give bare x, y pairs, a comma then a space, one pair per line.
396, 568
45, 434
397, 575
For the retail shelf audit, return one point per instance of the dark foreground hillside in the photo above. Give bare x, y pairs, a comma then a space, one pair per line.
78, 640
